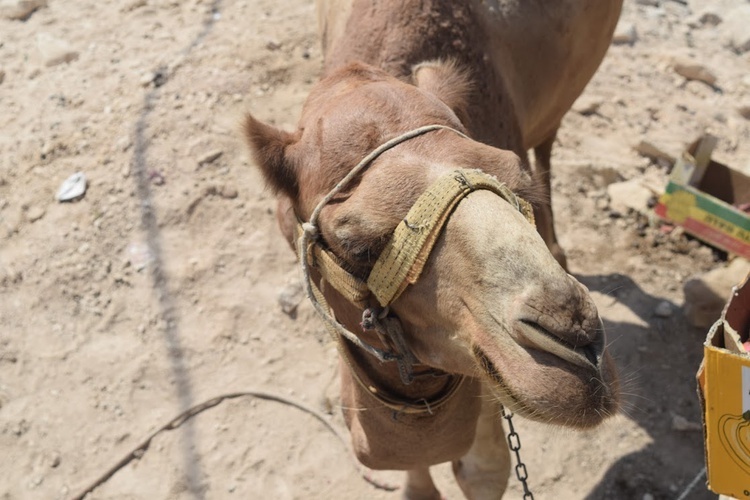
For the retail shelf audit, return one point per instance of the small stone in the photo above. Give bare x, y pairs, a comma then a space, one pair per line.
695, 71
228, 192
649, 3
663, 310
625, 34
630, 194
20, 10
290, 297
35, 213
273, 45
705, 18
650, 150
680, 423
587, 105
647, 496
147, 78
735, 29
54, 51
210, 157
2, 76
744, 111
72, 188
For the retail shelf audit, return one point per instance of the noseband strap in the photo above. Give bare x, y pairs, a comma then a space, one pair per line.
406, 254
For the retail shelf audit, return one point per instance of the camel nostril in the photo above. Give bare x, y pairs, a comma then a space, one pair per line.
592, 353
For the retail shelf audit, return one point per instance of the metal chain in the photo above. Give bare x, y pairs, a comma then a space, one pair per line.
514, 443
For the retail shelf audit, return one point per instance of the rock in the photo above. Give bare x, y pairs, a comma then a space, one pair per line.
228, 192
54, 51
705, 18
694, 71
650, 3
735, 29
73, 188
664, 309
630, 194
20, 10
2, 76
625, 34
290, 297
705, 295
147, 78
744, 111
35, 213
210, 157
680, 423
587, 105
651, 150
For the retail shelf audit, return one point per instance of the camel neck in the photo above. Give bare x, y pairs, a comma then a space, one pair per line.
396, 40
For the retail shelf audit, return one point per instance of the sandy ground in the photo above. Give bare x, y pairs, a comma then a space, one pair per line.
159, 289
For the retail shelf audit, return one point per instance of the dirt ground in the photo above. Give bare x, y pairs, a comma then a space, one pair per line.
160, 289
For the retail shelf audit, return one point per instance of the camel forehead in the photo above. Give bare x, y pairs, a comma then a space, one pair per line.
350, 96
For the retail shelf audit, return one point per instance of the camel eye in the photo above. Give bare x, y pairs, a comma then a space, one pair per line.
359, 253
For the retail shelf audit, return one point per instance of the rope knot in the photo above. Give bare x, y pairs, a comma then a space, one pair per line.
310, 229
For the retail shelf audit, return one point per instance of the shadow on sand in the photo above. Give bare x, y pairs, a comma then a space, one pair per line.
658, 359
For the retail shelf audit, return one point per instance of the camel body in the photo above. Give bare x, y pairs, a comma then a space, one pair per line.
494, 319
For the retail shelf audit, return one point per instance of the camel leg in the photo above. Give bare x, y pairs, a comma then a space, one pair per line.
483, 472
545, 223
419, 485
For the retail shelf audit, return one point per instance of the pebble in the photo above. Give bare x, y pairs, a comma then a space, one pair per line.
695, 71
663, 310
2, 76
650, 3
705, 18
35, 213
650, 150
210, 157
20, 10
290, 297
630, 194
587, 105
625, 34
54, 51
735, 29
680, 423
744, 111
228, 192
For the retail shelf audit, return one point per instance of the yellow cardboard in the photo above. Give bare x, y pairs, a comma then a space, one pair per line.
724, 390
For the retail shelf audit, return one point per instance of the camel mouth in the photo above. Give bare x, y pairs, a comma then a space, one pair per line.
586, 402
535, 336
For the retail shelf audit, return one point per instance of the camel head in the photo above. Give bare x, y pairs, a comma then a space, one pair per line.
491, 301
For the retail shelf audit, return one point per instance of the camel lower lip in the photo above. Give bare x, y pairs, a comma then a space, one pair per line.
536, 337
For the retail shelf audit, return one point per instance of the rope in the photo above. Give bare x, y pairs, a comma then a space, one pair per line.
180, 419
692, 484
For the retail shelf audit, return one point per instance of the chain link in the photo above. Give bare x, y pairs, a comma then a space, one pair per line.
514, 443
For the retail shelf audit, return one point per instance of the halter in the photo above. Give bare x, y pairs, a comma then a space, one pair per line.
399, 265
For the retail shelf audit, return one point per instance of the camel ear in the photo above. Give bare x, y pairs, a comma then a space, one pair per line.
447, 82
268, 146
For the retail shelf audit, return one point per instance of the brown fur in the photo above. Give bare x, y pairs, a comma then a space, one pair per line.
492, 304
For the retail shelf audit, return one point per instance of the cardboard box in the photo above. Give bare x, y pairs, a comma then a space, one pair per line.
704, 197
724, 392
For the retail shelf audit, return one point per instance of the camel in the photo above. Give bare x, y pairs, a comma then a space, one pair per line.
425, 236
